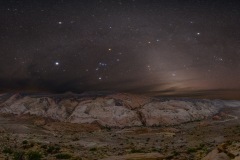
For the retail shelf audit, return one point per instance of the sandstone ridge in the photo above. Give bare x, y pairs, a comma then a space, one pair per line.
115, 110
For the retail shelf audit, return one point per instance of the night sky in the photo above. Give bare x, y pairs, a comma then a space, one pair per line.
157, 47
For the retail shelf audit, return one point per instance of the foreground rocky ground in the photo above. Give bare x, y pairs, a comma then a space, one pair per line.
194, 132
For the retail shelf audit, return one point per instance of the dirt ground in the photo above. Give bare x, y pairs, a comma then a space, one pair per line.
26, 137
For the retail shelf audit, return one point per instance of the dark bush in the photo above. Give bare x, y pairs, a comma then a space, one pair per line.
7, 150
63, 156
34, 155
19, 155
25, 142
93, 149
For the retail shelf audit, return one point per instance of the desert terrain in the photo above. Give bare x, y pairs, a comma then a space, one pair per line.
117, 127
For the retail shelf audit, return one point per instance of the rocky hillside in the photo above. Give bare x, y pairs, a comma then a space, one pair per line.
115, 110
225, 151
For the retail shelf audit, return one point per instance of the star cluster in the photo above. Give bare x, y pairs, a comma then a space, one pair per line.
148, 46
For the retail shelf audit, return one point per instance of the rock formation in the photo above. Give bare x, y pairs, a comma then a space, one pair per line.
116, 110
225, 151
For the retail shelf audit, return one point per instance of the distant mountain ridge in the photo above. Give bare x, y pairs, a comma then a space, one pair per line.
111, 109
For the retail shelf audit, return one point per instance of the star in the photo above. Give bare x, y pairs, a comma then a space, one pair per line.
149, 67
218, 58
173, 74
123, 43
102, 64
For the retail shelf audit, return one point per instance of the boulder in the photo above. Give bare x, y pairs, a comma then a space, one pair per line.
225, 151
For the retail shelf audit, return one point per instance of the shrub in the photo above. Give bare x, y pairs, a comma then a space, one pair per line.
7, 150
50, 149
34, 155
44, 146
156, 150
191, 150
63, 156
175, 153
53, 149
25, 142
19, 155
31, 145
77, 158
93, 149
137, 151
108, 128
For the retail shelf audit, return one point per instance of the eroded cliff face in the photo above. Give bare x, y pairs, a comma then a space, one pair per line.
117, 110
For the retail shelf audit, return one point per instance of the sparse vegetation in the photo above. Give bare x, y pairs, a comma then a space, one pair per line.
148, 139
25, 142
63, 156
137, 151
19, 155
156, 150
93, 149
7, 150
34, 155
106, 142
53, 149
108, 128
191, 150
44, 146
175, 153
